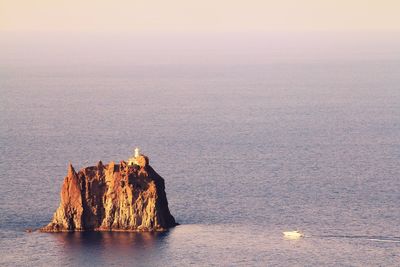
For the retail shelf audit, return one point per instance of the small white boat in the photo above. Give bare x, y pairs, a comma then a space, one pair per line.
293, 234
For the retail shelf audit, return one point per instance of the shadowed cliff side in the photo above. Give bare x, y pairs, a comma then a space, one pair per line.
112, 197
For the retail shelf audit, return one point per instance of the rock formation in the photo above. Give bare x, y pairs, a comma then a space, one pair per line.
112, 197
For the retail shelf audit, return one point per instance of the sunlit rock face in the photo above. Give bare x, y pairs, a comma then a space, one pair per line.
112, 197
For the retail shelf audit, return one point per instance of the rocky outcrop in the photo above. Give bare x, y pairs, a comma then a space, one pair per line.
112, 197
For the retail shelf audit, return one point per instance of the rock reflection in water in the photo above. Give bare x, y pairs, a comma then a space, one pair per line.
110, 247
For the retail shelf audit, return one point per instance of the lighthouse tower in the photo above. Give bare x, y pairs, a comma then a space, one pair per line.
137, 152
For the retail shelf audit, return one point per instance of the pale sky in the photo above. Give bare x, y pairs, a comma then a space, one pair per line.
107, 32
199, 15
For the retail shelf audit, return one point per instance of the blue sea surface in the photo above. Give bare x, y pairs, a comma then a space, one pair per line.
246, 151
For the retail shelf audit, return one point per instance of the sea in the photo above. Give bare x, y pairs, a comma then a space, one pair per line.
247, 151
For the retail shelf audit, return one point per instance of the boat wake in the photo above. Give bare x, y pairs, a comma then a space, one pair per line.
370, 238
384, 240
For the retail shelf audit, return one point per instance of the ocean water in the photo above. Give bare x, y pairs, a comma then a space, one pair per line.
246, 152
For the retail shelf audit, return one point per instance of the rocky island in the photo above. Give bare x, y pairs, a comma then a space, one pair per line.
129, 196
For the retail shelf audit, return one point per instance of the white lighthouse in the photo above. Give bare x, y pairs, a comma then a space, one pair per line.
137, 159
137, 152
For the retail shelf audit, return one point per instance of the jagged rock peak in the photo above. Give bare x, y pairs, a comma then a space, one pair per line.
71, 170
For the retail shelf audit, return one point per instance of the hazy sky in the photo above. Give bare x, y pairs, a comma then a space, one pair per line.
117, 32
199, 15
